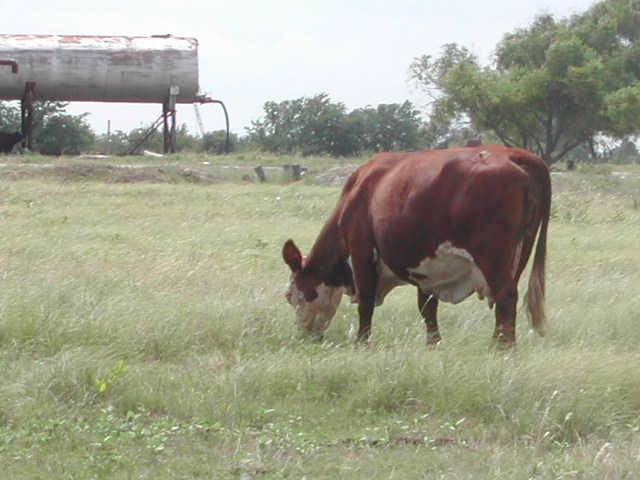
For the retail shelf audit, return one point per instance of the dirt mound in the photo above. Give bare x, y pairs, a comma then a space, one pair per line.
336, 176
78, 172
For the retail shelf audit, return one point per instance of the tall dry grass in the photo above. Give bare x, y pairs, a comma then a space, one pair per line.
144, 334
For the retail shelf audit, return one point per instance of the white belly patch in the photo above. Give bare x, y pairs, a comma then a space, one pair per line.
451, 275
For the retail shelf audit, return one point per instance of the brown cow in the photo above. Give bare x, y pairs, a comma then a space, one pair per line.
451, 222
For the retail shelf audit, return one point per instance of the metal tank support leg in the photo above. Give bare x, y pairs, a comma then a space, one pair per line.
26, 113
169, 120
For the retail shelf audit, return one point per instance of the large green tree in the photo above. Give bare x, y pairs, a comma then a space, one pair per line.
10, 116
388, 127
55, 131
64, 134
307, 125
216, 142
553, 86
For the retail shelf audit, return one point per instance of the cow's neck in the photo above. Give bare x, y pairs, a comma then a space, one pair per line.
327, 262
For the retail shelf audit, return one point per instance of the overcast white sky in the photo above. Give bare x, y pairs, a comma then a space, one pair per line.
254, 51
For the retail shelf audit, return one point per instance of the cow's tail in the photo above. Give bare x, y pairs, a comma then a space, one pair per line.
535, 295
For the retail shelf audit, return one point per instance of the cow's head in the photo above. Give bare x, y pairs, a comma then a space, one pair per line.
314, 301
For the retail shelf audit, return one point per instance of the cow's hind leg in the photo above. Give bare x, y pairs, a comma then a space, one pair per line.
498, 265
506, 300
428, 305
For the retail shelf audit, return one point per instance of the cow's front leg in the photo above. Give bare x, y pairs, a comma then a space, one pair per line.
366, 282
428, 305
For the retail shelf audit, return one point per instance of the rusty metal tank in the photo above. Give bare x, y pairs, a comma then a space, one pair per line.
99, 69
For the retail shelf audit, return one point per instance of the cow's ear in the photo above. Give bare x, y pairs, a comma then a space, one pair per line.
292, 256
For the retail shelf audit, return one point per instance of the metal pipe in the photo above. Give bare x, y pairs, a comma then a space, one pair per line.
12, 63
205, 99
226, 117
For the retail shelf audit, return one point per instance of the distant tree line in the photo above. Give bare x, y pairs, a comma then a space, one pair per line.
121, 143
304, 126
58, 133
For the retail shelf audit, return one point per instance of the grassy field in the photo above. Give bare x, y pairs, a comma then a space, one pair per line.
144, 335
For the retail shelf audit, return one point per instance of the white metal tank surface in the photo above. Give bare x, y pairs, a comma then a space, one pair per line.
99, 69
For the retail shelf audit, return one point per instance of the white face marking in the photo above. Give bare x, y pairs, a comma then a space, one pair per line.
452, 275
314, 317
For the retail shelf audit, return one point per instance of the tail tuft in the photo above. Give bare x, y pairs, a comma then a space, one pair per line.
535, 301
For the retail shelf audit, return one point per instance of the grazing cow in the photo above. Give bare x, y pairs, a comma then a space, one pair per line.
451, 222
8, 141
